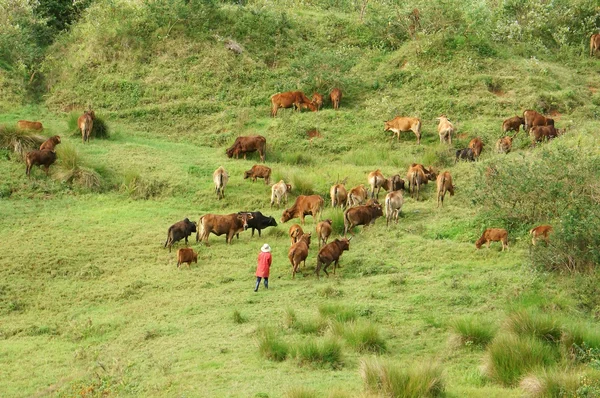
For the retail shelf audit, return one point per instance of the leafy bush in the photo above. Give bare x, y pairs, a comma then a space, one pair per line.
582, 343
271, 347
324, 353
472, 331
391, 380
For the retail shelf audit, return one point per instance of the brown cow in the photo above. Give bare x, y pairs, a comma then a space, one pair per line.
85, 124
290, 99
541, 231
336, 97
27, 125
445, 130
220, 178
39, 158
541, 133
258, 171
493, 235
323, 230
338, 195
186, 255
378, 181
504, 144
357, 196
295, 233
180, 230
476, 144
418, 175
532, 118
393, 206
304, 205
513, 124
247, 144
404, 124
230, 225
298, 253
594, 44
331, 253
50, 143
317, 100
444, 184
361, 215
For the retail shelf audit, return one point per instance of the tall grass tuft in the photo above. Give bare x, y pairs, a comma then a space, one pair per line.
337, 312
581, 343
312, 326
302, 185
390, 380
562, 383
137, 187
510, 357
300, 392
70, 170
541, 326
19, 141
469, 331
271, 347
324, 353
362, 336
238, 317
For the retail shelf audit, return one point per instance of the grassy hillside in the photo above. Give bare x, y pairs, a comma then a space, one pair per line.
92, 305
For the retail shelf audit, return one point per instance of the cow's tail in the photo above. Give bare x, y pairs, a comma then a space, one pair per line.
531, 231
169, 237
335, 196
86, 128
388, 208
200, 229
419, 129
263, 149
221, 181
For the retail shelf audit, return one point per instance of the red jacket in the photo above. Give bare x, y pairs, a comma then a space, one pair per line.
264, 264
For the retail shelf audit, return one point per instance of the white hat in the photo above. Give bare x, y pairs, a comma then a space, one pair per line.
265, 248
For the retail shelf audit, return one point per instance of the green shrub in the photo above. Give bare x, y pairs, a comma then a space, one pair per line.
19, 141
510, 357
271, 347
362, 336
471, 331
562, 383
541, 326
324, 353
337, 312
238, 317
394, 381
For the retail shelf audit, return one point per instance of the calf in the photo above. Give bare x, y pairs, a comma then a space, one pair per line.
331, 253
504, 144
418, 175
295, 233
179, 230
476, 144
27, 125
338, 195
289, 99
50, 143
594, 44
311, 205
39, 158
278, 191
445, 130
357, 196
336, 97
259, 221
465, 154
378, 181
444, 184
85, 123
493, 235
228, 225
298, 253
541, 133
258, 171
513, 124
324, 229
317, 100
533, 118
542, 231
186, 256
404, 124
393, 206
361, 215
220, 178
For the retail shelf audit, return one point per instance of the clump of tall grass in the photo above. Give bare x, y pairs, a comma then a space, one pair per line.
311, 326
362, 336
390, 380
238, 317
323, 353
528, 323
330, 291
302, 185
71, 171
19, 141
509, 357
337, 312
581, 343
562, 383
337, 218
271, 347
438, 156
297, 158
300, 392
469, 331
137, 187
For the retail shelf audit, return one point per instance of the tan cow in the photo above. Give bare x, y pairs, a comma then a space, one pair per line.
378, 181
317, 100
476, 144
594, 44
542, 231
220, 178
504, 144
357, 195
513, 124
404, 124
338, 195
336, 97
228, 225
418, 175
278, 191
186, 256
289, 99
445, 130
393, 206
295, 233
324, 230
493, 235
444, 184
86, 124
304, 205
533, 118
298, 253
27, 125
248, 144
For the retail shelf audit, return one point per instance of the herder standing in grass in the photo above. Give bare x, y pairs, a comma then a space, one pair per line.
264, 266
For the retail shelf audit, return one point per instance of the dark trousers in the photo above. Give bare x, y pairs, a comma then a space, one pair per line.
258, 278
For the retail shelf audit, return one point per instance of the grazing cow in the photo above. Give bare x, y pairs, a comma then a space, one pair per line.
393, 206
295, 233
338, 195
85, 124
476, 144
298, 253
541, 231
361, 215
493, 235
513, 124
444, 184
180, 230
465, 154
378, 181
258, 171
331, 253
311, 205
27, 125
290, 99
39, 158
357, 195
504, 144
541, 133
445, 129
323, 230
228, 225
248, 144
50, 143
317, 100
594, 44
532, 118
280, 190
220, 178
404, 124
259, 221
336, 97
418, 175
186, 256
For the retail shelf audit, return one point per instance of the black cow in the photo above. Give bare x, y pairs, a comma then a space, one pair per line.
259, 221
465, 154
178, 231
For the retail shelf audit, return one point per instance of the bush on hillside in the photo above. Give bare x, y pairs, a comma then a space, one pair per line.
19, 141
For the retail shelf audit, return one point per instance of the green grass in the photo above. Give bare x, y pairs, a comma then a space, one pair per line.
272, 347
320, 353
364, 337
469, 331
238, 317
562, 383
542, 326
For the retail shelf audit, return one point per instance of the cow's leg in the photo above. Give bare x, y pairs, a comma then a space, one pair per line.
325, 269
257, 230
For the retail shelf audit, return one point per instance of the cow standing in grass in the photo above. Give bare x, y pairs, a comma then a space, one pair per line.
331, 253
324, 229
444, 184
51, 143
299, 252
338, 195
445, 130
393, 206
404, 124
542, 231
220, 178
357, 196
258, 171
27, 125
493, 235
229, 225
279, 191
85, 124
361, 215
311, 205
295, 233
186, 256
336, 98
476, 145
178, 231
418, 175
39, 158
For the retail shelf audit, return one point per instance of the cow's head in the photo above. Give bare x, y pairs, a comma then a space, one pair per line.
549, 121
328, 221
306, 238
271, 222
343, 244
431, 173
288, 187
286, 216
229, 151
386, 126
247, 174
521, 120
245, 217
56, 139
377, 210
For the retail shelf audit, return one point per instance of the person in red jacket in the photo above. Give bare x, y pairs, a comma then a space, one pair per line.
264, 265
